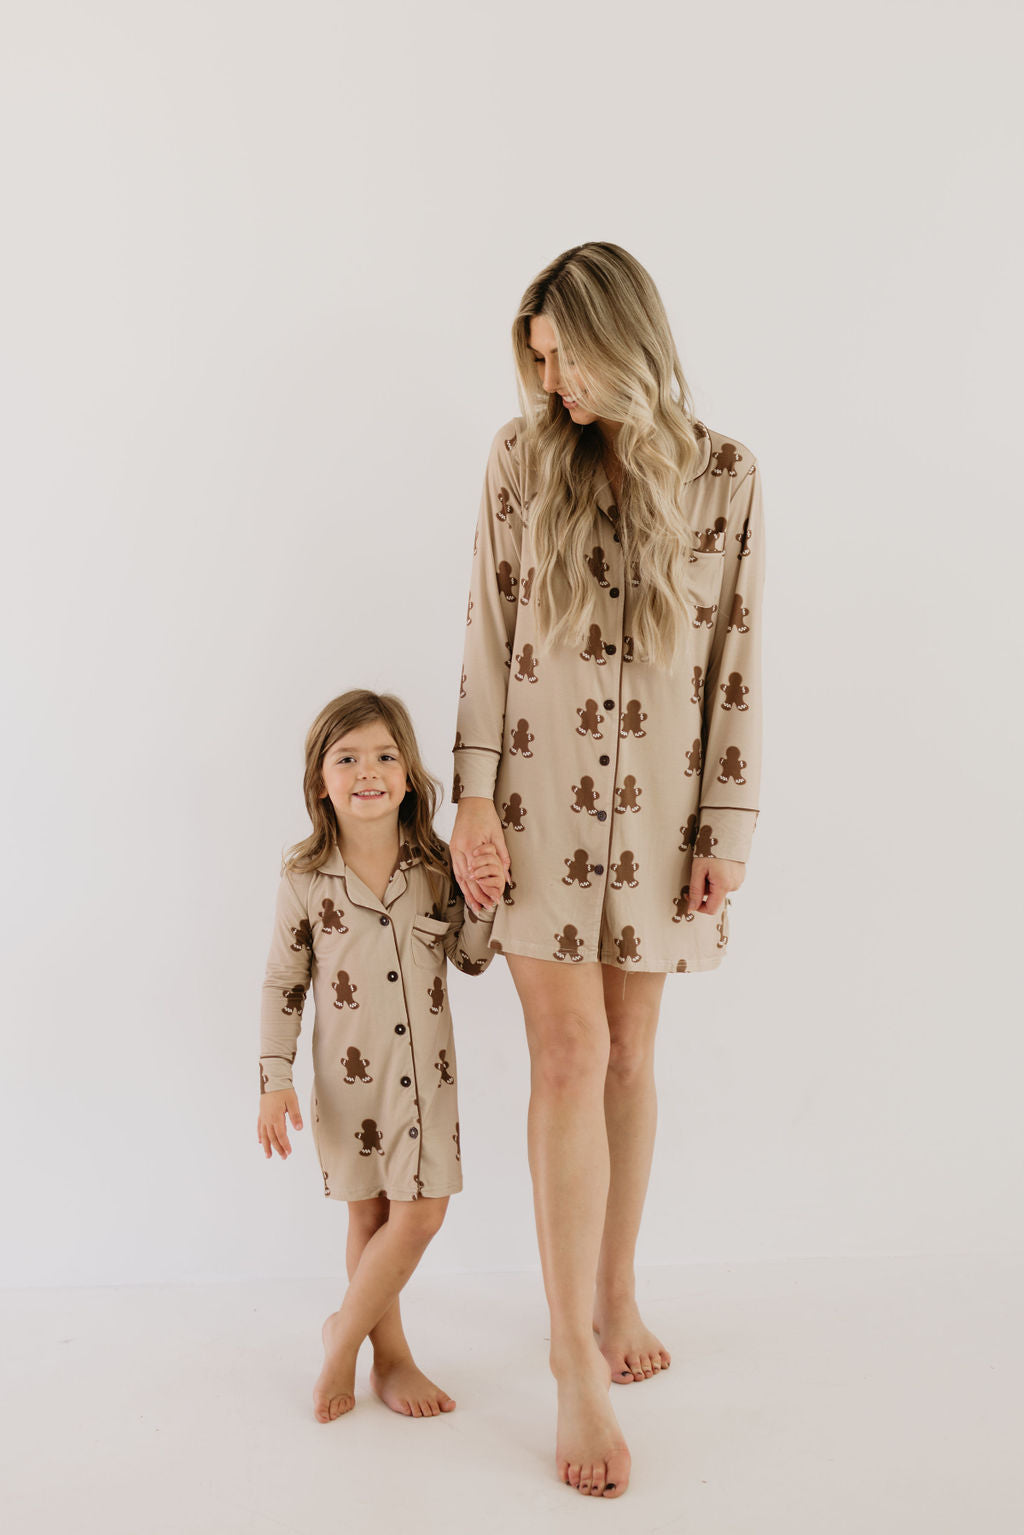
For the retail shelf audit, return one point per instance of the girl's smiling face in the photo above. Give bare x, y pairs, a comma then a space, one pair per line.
554, 374
364, 776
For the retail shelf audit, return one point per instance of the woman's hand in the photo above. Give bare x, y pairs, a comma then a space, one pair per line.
711, 879
271, 1130
477, 824
486, 867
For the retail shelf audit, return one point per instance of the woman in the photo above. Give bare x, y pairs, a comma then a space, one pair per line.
609, 741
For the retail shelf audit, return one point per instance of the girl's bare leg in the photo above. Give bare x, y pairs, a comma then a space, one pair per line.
567, 1031
388, 1259
631, 1111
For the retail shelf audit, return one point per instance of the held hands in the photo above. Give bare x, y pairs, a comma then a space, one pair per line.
711, 879
478, 836
487, 870
271, 1130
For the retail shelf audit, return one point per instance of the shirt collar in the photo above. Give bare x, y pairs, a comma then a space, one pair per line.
334, 863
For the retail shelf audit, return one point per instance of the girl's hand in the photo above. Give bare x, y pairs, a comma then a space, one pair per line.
271, 1130
476, 823
711, 879
486, 867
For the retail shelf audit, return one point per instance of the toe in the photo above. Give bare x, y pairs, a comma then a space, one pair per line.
574, 1475
645, 1365
447, 1403
563, 1471
599, 1481
634, 1364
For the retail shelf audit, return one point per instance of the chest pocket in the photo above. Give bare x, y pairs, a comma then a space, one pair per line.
703, 577
428, 942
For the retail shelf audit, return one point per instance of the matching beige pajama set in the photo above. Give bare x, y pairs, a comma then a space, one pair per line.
610, 773
384, 1104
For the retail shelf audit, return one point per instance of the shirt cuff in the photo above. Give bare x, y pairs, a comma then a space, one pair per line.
725, 833
476, 769
275, 1074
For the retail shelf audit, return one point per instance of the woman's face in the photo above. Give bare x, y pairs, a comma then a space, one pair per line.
555, 373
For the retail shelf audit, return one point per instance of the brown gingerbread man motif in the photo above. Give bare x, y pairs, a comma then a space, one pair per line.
521, 739
590, 718
738, 614
735, 692
682, 915
406, 854
681, 966
470, 966
294, 997
705, 617
459, 743
598, 565
327, 1192
506, 894
710, 536
501, 510
526, 586
595, 646
629, 795
628, 946
330, 917
510, 442
743, 539
726, 459
723, 937
578, 868
586, 796
441, 1065
469, 611
462, 684
706, 840
732, 765
355, 1065
507, 582
458, 1147
689, 832
344, 991
625, 871
527, 664
693, 760
264, 1079
513, 812
456, 788
369, 1135
302, 936
632, 723
698, 684
568, 944
436, 995
627, 647
508, 655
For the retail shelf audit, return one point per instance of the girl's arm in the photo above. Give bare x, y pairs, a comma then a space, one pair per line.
285, 985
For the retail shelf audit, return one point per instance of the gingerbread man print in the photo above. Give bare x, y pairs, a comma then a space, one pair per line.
507, 582
738, 614
294, 997
732, 765
579, 869
330, 917
598, 565
586, 796
355, 1065
628, 946
513, 813
527, 665
689, 833
302, 935
680, 902
705, 617
456, 788
735, 692
633, 719
344, 991
522, 738
441, 1065
629, 796
698, 684
436, 995
726, 459
706, 840
369, 1135
595, 647
625, 871
590, 719
710, 536
526, 586
568, 944
458, 1146
501, 510
693, 760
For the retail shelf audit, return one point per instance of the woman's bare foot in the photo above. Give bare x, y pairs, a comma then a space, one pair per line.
334, 1392
402, 1386
591, 1452
631, 1349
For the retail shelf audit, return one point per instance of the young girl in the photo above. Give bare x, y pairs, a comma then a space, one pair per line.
368, 910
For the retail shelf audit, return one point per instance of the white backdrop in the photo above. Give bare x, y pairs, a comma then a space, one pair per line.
259, 267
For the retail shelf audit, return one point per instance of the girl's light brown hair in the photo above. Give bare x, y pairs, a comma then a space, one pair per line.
615, 343
419, 807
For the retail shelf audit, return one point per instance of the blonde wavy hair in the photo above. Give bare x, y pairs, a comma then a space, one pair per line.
419, 807
614, 341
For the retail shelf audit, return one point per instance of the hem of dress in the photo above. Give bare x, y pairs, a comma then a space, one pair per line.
401, 1195
645, 967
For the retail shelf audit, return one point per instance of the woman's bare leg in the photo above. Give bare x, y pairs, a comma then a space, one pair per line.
388, 1259
632, 1004
567, 1031
395, 1376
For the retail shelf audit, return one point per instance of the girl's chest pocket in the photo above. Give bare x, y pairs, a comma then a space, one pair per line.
428, 936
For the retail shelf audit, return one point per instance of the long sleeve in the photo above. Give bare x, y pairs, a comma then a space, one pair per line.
495, 590
285, 985
467, 940
732, 723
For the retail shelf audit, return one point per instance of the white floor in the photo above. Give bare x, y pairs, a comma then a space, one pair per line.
866, 1396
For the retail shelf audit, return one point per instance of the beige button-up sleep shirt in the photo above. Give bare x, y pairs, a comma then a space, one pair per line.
384, 1102
609, 773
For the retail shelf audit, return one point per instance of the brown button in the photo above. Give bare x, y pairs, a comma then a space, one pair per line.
609, 703
392, 975
609, 650
406, 1081
599, 868
613, 591
399, 1028
414, 1132
602, 815
604, 761
616, 537
384, 921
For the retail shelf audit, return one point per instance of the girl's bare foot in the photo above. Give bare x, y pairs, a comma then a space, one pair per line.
631, 1349
402, 1386
334, 1392
591, 1452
